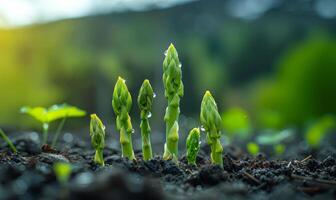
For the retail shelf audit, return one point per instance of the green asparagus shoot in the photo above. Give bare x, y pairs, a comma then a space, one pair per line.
253, 148
212, 124
145, 101
193, 145
172, 81
62, 171
122, 103
8, 141
97, 133
53, 113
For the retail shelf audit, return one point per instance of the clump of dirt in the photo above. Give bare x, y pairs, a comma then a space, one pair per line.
29, 175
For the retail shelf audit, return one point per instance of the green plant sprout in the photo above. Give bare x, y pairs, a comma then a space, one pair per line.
145, 101
317, 131
53, 113
97, 133
252, 148
8, 141
212, 124
279, 149
193, 145
122, 103
172, 81
62, 171
236, 123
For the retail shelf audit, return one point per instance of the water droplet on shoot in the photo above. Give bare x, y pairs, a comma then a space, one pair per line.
132, 131
166, 52
180, 65
149, 115
202, 128
154, 95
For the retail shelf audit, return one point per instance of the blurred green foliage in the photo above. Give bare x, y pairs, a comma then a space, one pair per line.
318, 130
236, 122
252, 148
304, 87
62, 171
279, 149
78, 61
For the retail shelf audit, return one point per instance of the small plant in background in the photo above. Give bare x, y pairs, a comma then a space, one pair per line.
122, 103
172, 81
318, 130
8, 141
252, 148
193, 145
236, 123
62, 171
276, 139
279, 149
97, 133
53, 113
145, 101
212, 124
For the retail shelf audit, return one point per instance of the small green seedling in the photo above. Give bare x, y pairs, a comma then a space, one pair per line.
212, 124
145, 101
8, 141
48, 115
122, 103
62, 171
97, 133
253, 148
317, 131
172, 81
193, 145
236, 123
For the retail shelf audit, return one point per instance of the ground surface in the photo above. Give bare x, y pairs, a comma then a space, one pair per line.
29, 175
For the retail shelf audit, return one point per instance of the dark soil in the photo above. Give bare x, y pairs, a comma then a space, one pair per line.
29, 175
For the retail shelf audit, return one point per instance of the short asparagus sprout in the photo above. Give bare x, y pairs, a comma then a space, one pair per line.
193, 145
212, 124
51, 114
253, 148
8, 141
97, 133
145, 101
62, 171
172, 81
122, 103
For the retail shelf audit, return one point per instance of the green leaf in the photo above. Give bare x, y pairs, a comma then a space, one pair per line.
53, 113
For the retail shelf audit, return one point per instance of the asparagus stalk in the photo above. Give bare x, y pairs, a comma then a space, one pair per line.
212, 123
97, 133
193, 145
145, 101
122, 103
172, 80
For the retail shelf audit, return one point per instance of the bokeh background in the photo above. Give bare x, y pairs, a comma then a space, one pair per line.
268, 63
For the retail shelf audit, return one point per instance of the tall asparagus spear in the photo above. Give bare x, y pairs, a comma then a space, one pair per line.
212, 123
97, 133
122, 103
172, 81
145, 101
